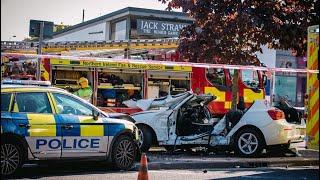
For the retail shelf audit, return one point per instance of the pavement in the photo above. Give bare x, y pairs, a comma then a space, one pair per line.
300, 156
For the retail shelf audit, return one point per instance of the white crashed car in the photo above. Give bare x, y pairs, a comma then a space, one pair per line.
184, 121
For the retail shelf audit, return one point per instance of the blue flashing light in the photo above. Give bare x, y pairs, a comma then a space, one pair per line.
27, 82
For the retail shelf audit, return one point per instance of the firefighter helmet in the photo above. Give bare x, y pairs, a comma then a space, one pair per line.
83, 82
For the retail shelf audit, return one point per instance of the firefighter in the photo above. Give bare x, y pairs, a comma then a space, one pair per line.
85, 92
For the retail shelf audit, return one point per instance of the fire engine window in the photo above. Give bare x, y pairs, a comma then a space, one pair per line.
250, 78
216, 76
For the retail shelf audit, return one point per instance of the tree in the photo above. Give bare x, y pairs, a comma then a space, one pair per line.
235, 30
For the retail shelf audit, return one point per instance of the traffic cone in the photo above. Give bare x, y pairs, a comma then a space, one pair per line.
143, 169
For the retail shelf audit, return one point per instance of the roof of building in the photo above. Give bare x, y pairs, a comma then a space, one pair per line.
131, 11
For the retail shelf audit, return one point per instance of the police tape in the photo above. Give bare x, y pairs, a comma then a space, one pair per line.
164, 63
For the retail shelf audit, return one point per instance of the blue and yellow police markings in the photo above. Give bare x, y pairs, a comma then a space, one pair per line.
42, 125
91, 127
47, 136
85, 136
70, 120
70, 143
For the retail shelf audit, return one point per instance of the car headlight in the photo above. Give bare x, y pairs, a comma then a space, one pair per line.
136, 133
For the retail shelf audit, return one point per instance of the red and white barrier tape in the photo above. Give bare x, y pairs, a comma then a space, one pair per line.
166, 63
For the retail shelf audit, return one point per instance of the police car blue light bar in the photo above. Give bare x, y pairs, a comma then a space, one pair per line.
27, 82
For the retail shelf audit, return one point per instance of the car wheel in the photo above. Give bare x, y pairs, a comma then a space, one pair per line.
123, 152
248, 143
11, 157
145, 138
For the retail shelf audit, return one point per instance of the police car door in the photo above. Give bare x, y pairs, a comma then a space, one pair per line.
32, 114
82, 135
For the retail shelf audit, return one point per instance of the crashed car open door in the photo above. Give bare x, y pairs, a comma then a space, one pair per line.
166, 124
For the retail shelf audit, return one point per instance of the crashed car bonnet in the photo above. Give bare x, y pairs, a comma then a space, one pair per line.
166, 101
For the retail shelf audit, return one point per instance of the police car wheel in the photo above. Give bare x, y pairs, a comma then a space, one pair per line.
124, 152
11, 158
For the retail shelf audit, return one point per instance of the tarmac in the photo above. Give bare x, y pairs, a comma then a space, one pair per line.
303, 157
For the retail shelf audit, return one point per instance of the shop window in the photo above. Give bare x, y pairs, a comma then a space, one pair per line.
216, 76
285, 89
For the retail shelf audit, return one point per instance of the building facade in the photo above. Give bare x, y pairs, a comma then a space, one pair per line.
127, 23
289, 86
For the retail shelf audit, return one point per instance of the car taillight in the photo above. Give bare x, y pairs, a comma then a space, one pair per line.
276, 114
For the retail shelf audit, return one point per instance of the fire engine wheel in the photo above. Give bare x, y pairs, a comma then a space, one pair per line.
11, 157
123, 153
248, 143
145, 138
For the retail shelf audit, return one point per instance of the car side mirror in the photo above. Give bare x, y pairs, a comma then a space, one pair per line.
95, 114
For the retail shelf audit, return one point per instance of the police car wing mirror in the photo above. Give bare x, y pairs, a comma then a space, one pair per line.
95, 114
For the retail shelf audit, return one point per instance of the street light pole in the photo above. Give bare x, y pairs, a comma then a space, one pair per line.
40, 51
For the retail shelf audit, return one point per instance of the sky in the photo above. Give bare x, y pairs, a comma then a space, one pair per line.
16, 14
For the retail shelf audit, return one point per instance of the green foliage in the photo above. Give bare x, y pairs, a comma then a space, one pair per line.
235, 30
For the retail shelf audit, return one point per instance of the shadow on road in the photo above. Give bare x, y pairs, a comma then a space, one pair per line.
48, 169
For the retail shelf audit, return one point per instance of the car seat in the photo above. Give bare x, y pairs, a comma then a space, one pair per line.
241, 104
234, 116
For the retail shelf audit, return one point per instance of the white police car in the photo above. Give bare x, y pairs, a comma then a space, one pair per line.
44, 123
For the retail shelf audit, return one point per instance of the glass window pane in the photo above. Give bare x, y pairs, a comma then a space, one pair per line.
250, 78
285, 89
231, 74
120, 30
36, 102
216, 76
5, 101
69, 105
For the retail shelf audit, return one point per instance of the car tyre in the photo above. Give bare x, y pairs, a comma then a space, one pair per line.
248, 143
11, 157
145, 138
124, 153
